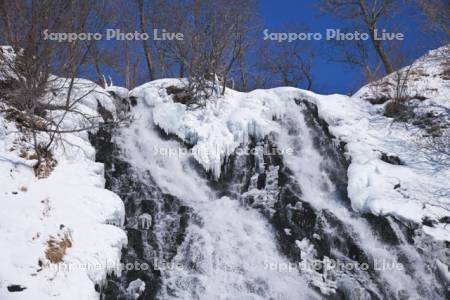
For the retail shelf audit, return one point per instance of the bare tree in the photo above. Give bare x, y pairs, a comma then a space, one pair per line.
356, 53
370, 13
438, 15
143, 28
437, 146
125, 57
33, 89
398, 107
215, 38
288, 64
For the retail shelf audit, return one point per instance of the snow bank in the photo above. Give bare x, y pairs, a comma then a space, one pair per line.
72, 201
411, 191
121, 92
216, 130
417, 190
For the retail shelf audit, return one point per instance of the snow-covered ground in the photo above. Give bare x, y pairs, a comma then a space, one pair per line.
72, 202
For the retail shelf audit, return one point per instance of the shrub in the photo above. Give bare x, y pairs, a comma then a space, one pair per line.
56, 248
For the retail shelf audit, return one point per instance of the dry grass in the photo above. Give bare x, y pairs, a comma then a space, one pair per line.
56, 249
48, 164
23, 120
23, 153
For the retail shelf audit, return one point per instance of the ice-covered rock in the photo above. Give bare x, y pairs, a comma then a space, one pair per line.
135, 288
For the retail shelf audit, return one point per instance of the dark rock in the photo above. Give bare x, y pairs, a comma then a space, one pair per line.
133, 101
283, 177
445, 75
356, 253
149, 207
113, 291
336, 162
170, 203
427, 221
314, 113
420, 97
16, 288
378, 100
445, 219
126, 105
391, 159
180, 95
140, 195
261, 183
106, 115
135, 241
184, 209
112, 93
382, 228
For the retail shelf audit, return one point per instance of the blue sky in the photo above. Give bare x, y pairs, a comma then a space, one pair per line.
329, 76
332, 77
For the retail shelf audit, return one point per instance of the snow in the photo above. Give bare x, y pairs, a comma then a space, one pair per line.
72, 200
121, 92
136, 288
445, 273
412, 191
416, 190
218, 129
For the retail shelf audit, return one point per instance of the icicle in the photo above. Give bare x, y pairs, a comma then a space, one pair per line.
145, 221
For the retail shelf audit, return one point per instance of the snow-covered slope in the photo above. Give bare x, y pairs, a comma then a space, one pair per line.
70, 204
419, 189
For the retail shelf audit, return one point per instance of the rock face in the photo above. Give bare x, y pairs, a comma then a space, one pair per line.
146, 207
339, 253
308, 234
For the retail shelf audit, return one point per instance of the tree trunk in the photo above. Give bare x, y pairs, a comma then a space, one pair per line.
181, 69
309, 80
244, 78
224, 84
380, 51
127, 67
147, 53
101, 78
135, 67
371, 18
